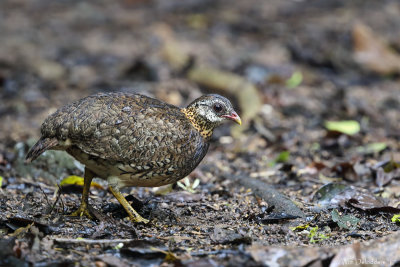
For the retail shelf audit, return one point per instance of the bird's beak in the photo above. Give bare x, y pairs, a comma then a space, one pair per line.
234, 117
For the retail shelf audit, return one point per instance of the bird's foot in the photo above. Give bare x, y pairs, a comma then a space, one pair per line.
136, 218
83, 210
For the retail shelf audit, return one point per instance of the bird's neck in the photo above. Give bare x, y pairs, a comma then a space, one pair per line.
204, 127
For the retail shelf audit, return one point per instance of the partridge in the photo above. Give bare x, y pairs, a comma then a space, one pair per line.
133, 140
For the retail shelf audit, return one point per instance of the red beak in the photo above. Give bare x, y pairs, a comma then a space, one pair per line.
234, 117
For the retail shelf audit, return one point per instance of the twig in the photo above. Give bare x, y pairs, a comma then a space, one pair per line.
45, 196
92, 241
55, 202
270, 195
62, 202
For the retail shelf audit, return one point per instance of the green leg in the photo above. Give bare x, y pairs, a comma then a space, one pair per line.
133, 215
84, 207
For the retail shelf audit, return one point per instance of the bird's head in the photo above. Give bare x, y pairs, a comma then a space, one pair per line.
209, 111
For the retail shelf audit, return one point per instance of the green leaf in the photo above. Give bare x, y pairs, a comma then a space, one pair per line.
348, 127
118, 246
396, 218
344, 221
326, 193
186, 181
196, 183
300, 227
294, 80
1, 181
315, 236
187, 186
313, 232
181, 185
283, 157
376, 147
372, 148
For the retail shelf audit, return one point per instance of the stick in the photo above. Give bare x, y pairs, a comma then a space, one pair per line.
93, 241
265, 191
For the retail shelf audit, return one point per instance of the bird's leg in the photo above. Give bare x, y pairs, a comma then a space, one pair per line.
133, 215
84, 207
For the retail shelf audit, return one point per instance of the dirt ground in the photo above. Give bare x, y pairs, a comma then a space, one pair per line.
293, 186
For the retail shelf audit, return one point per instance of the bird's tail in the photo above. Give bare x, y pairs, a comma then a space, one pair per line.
42, 145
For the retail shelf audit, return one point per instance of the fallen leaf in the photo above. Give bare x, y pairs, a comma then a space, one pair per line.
383, 178
77, 180
373, 53
344, 221
316, 236
335, 195
349, 127
372, 148
281, 158
346, 171
295, 80
300, 227
396, 218
327, 195
386, 172
368, 202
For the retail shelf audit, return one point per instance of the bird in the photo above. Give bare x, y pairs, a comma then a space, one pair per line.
132, 140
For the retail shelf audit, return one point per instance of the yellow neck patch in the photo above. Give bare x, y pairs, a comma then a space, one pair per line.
205, 128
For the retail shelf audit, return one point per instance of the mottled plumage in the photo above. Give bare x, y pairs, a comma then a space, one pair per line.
134, 140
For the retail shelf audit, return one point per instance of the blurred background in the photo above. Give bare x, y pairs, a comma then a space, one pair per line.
296, 60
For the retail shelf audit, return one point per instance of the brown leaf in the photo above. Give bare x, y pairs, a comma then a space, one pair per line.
346, 171
373, 53
333, 195
386, 172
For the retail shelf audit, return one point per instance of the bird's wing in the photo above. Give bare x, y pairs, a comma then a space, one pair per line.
122, 127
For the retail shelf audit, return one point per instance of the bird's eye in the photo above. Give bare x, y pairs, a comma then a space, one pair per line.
218, 107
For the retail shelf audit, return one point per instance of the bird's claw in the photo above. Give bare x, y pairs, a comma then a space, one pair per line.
139, 219
82, 211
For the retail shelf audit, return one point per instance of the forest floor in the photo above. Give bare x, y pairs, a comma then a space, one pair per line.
311, 178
